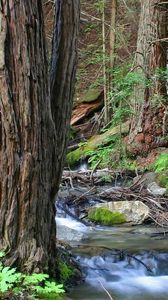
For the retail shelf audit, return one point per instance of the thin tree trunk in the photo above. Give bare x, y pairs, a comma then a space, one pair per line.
30, 152
112, 50
112, 35
106, 104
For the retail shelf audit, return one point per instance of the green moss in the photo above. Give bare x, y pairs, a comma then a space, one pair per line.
161, 164
90, 96
106, 217
66, 272
74, 157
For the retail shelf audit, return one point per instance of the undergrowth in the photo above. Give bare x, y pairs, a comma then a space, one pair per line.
161, 164
34, 286
161, 167
112, 155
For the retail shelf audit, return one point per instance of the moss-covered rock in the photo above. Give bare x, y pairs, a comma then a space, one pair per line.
76, 155
105, 217
68, 270
134, 212
90, 96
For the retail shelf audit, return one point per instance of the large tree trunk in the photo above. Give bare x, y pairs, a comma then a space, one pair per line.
31, 152
151, 55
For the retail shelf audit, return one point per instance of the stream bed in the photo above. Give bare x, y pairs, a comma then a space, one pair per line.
131, 263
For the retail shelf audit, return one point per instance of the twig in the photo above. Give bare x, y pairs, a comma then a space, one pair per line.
110, 297
84, 194
141, 262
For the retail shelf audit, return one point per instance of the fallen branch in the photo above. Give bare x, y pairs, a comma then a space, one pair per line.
110, 297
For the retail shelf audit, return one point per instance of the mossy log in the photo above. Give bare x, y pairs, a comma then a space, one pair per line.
94, 142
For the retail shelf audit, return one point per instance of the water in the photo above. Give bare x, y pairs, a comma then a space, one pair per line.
125, 277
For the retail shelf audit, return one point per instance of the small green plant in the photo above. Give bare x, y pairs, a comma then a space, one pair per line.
8, 278
36, 286
161, 167
124, 83
89, 27
107, 178
51, 290
102, 155
161, 163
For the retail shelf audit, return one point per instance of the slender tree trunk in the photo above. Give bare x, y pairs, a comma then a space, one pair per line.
149, 105
112, 52
31, 152
106, 104
112, 35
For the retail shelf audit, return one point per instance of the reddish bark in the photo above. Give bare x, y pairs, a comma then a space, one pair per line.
151, 106
32, 139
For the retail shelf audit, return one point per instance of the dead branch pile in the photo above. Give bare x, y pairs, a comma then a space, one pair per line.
93, 177
137, 191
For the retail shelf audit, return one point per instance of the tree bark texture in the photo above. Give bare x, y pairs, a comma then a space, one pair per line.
105, 88
112, 34
151, 55
29, 134
63, 72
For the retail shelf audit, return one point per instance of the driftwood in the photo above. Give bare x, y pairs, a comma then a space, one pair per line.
84, 110
158, 204
93, 177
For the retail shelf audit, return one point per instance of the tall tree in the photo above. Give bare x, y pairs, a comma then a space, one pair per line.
150, 105
112, 35
34, 120
105, 89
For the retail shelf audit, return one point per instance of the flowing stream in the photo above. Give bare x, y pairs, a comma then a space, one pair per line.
139, 271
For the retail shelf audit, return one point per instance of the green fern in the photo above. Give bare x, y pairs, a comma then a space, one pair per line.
8, 278
34, 278
2, 254
35, 285
50, 290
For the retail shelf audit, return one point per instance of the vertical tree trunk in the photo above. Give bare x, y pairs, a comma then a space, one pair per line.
112, 50
106, 103
30, 135
112, 34
62, 73
151, 55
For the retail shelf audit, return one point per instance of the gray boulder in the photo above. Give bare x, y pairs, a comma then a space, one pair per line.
154, 189
135, 212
